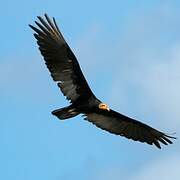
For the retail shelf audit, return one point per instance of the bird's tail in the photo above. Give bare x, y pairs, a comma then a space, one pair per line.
65, 113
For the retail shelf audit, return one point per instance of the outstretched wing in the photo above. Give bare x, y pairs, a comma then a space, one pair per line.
60, 60
124, 126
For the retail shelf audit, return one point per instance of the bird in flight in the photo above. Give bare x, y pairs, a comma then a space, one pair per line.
65, 70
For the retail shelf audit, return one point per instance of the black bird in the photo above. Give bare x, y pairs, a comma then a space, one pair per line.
65, 70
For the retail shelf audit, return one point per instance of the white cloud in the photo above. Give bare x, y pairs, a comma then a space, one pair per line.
165, 169
113, 173
22, 77
161, 84
146, 82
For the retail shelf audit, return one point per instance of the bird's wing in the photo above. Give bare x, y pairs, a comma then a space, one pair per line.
124, 126
60, 60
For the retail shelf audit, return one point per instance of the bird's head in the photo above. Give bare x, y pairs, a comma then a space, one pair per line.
104, 106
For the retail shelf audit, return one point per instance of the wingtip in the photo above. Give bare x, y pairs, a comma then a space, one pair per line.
46, 16
32, 27
157, 144
39, 17
171, 135
36, 22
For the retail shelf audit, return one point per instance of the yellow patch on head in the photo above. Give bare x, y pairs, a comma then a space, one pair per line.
104, 106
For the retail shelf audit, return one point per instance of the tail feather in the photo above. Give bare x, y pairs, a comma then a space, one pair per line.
65, 113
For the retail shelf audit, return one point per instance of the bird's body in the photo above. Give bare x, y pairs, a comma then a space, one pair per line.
65, 70
78, 107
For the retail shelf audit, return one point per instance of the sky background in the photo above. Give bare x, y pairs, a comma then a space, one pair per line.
129, 52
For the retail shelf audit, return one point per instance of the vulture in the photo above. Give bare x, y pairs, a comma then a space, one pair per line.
65, 70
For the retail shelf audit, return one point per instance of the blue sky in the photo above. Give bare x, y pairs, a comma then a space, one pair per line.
129, 52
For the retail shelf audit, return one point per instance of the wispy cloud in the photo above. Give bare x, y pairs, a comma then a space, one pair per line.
166, 168
141, 66
145, 82
149, 67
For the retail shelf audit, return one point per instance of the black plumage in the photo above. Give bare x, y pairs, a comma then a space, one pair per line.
65, 70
